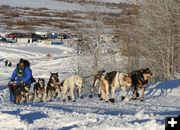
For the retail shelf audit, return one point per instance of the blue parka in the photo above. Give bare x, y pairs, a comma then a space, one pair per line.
26, 78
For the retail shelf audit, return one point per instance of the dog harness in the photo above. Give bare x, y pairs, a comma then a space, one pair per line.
143, 82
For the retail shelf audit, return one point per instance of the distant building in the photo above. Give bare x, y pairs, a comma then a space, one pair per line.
24, 40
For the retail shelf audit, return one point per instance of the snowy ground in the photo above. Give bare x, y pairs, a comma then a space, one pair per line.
162, 99
50, 4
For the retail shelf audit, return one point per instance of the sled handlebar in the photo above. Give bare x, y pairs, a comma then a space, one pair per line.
15, 83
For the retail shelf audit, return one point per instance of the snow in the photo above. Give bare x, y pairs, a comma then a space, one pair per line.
118, 1
161, 99
50, 4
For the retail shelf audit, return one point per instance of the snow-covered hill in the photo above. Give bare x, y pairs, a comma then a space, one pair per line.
50, 4
162, 99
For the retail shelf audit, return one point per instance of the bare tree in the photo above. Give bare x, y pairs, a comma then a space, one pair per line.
157, 34
90, 34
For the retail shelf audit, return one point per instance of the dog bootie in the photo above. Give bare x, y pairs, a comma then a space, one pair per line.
111, 100
99, 95
134, 98
90, 96
101, 99
69, 98
122, 98
141, 99
137, 94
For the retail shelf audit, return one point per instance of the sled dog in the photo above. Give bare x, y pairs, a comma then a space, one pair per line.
70, 85
39, 89
110, 81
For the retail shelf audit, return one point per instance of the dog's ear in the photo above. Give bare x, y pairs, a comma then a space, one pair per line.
76, 77
103, 71
43, 81
141, 70
147, 69
125, 77
57, 73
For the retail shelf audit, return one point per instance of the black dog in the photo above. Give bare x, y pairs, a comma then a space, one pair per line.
39, 89
139, 80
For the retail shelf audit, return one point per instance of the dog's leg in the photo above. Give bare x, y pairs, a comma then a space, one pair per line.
72, 93
106, 92
35, 95
99, 91
18, 99
34, 90
135, 93
69, 96
113, 88
41, 99
92, 89
17, 95
102, 88
80, 92
98, 86
47, 96
57, 92
51, 95
124, 93
64, 92
31, 97
102, 95
91, 93
43, 96
60, 92
26, 98
142, 94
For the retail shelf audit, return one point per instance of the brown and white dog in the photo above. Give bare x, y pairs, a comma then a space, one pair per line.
52, 86
69, 86
139, 80
39, 89
114, 79
23, 94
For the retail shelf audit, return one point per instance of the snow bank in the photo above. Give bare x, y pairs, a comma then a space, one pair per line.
51, 4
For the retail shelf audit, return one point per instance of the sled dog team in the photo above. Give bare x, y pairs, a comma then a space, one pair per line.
105, 82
